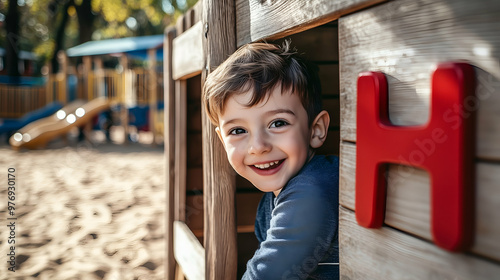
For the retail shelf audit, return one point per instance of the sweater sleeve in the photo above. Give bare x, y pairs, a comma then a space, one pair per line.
302, 228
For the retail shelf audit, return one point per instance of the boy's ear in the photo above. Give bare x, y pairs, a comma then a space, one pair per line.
319, 129
217, 129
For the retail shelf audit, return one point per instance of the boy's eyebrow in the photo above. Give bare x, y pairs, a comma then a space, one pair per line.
280, 111
272, 112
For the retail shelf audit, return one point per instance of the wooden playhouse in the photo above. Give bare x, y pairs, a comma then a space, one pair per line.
401, 50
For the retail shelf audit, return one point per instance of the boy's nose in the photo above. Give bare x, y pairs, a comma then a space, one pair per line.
259, 144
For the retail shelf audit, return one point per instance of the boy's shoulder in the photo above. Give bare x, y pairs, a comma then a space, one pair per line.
318, 178
319, 169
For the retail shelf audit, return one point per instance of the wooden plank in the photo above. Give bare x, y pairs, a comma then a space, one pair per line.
194, 150
219, 41
198, 10
189, 18
194, 179
180, 25
194, 212
188, 53
406, 40
257, 20
194, 117
188, 252
408, 202
246, 208
180, 149
347, 174
194, 104
152, 88
169, 147
389, 254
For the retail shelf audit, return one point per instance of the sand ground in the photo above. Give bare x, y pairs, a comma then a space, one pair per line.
84, 212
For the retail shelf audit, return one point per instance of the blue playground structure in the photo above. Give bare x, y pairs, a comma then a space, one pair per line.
11, 125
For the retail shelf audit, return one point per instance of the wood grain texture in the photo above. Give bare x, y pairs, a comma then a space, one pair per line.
406, 40
180, 149
188, 53
194, 179
257, 20
388, 254
246, 208
408, 200
153, 82
189, 253
219, 41
169, 147
198, 11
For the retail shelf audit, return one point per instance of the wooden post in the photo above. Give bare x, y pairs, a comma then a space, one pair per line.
99, 77
153, 82
180, 149
219, 41
62, 94
123, 96
169, 140
87, 67
50, 84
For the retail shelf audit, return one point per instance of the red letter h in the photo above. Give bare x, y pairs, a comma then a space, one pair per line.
446, 151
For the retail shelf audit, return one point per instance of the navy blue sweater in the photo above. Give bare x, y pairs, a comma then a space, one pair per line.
298, 229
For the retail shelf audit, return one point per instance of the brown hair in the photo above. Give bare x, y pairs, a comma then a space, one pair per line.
261, 67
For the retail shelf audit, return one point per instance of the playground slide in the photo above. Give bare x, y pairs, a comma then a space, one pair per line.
11, 125
39, 133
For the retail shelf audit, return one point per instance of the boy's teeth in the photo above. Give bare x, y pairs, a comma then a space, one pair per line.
266, 165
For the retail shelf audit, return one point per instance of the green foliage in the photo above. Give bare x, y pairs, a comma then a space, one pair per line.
40, 20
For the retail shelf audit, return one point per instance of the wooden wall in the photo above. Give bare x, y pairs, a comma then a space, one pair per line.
186, 191
15, 101
406, 39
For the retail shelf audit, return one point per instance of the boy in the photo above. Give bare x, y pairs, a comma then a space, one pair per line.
266, 104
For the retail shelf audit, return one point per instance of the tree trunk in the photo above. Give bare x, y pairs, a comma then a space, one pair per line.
59, 40
12, 43
85, 21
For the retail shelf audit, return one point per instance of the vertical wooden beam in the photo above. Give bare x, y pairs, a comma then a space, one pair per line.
180, 138
169, 140
63, 72
219, 41
123, 96
153, 82
49, 86
180, 149
99, 77
87, 67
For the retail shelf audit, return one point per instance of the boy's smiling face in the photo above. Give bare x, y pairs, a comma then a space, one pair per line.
267, 143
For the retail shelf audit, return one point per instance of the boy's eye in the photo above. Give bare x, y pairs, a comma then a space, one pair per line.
278, 123
236, 131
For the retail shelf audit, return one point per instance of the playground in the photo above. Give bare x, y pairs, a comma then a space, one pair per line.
87, 212
84, 151
121, 175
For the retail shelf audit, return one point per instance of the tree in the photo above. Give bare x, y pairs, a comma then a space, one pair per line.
53, 25
11, 44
